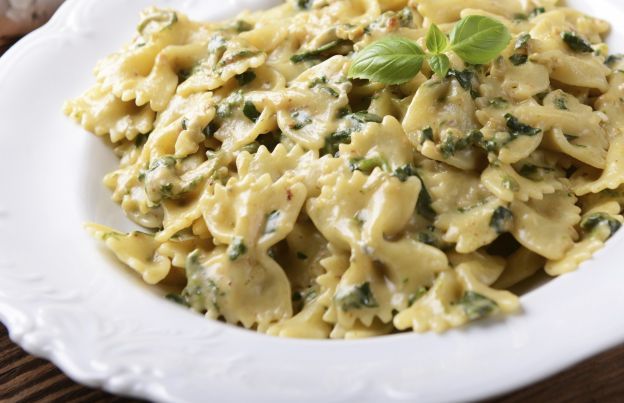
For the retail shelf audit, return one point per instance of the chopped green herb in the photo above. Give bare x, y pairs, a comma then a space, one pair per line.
452, 144
269, 140
593, 221
330, 91
166, 161
301, 118
404, 172
319, 52
612, 59
427, 135
243, 26
177, 298
520, 129
238, 56
576, 43
560, 103
301, 256
476, 305
501, 219
185, 124
518, 59
210, 130
522, 41
537, 11
167, 190
245, 78
237, 248
365, 117
165, 18
304, 4
510, 183
272, 222
250, 111
464, 78
498, 103
356, 297
334, 140
366, 165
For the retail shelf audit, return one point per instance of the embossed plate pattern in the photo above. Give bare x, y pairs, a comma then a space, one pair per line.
63, 298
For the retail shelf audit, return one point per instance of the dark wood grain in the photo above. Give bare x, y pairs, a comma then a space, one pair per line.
24, 378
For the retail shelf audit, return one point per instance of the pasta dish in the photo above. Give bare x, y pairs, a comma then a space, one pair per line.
353, 168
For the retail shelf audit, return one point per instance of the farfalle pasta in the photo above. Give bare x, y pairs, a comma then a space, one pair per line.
279, 193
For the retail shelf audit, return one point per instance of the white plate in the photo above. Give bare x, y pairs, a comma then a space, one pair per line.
63, 298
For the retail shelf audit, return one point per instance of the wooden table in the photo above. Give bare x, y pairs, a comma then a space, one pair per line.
24, 378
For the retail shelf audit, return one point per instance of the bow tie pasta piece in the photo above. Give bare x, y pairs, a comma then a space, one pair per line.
588, 179
610, 103
311, 117
546, 226
253, 210
520, 82
601, 220
224, 58
532, 178
250, 290
566, 64
138, 250
439, 121
102, 113
383, 146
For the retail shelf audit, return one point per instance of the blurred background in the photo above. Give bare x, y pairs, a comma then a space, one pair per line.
18, 17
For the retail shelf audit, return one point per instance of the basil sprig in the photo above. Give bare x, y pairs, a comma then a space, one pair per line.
395, 60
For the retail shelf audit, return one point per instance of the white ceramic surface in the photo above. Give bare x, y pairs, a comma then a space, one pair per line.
64, 298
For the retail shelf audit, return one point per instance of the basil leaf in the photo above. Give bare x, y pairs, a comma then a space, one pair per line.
440, 64
478, 39
391, 60
436, 40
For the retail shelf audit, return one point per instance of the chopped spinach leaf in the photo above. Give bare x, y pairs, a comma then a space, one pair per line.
522, 41
301, 118
250, 111
576, 43
593, 221
498, 103
476, 305
177, 298
464, 78
560, 103
520, 129
427, 135
245, 78
365, 117
319, 52
243, 26
366, 165
356, 297
452, 144
612, 59
272, 222
501, 218
237, 248
518, 59
404, 172
301, 256
334, 140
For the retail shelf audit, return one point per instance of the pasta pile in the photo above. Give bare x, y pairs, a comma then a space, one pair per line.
285, 197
